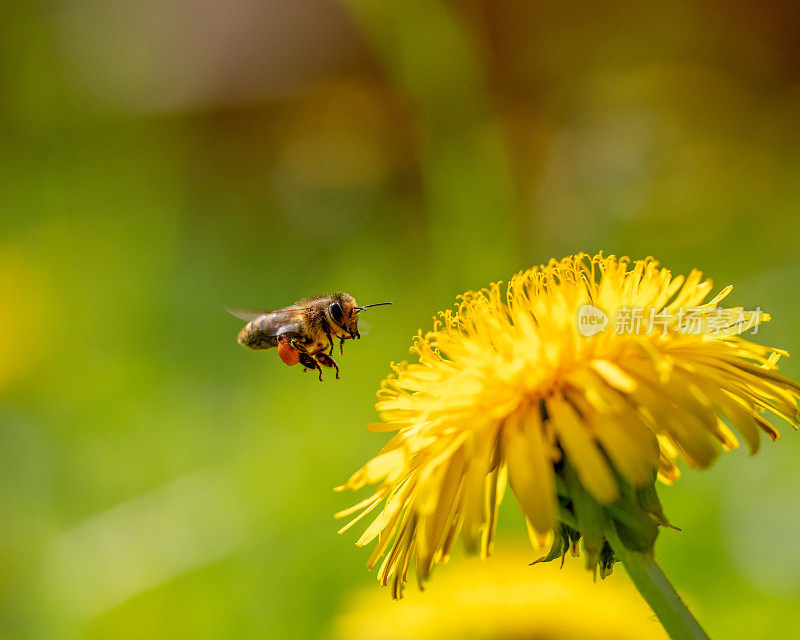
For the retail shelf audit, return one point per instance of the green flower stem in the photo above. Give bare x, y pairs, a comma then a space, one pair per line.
656, 590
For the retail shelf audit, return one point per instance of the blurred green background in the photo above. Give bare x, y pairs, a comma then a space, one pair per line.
161, 161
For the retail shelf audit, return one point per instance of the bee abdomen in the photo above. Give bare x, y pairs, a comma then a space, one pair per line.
256, 334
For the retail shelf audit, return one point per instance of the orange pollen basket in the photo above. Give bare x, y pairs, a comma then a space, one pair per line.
288, 353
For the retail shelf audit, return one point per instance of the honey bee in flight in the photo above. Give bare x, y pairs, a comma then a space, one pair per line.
304, 332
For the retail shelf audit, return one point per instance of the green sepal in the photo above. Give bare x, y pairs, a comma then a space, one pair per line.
636, 527
606, 561
563, 538
648, 499
589, 515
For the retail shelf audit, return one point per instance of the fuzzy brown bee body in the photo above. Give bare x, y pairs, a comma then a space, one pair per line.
309, 326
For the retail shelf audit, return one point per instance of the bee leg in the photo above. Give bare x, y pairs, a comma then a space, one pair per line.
341, 345
307, 360
326, 361
330, 343
310, 363
298, 346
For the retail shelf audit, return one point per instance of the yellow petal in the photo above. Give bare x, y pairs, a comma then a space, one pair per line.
627, 440
582, 452
614, 376
530, 472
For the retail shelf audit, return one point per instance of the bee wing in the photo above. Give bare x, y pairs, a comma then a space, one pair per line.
363, 327
244, 314
247, 315
279, 322
283, 321
289, 327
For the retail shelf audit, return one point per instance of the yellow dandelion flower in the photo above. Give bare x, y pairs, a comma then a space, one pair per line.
577, 384
503, 600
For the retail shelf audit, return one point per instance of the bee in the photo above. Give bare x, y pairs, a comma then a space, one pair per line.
305, 332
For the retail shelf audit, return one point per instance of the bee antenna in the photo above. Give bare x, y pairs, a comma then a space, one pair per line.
377, 304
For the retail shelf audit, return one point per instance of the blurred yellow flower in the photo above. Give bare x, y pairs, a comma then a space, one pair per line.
504, 600
24, 308
576, 384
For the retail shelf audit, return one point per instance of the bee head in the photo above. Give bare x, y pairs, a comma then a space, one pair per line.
343, 312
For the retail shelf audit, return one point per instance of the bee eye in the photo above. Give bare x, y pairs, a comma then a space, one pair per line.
336, 313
